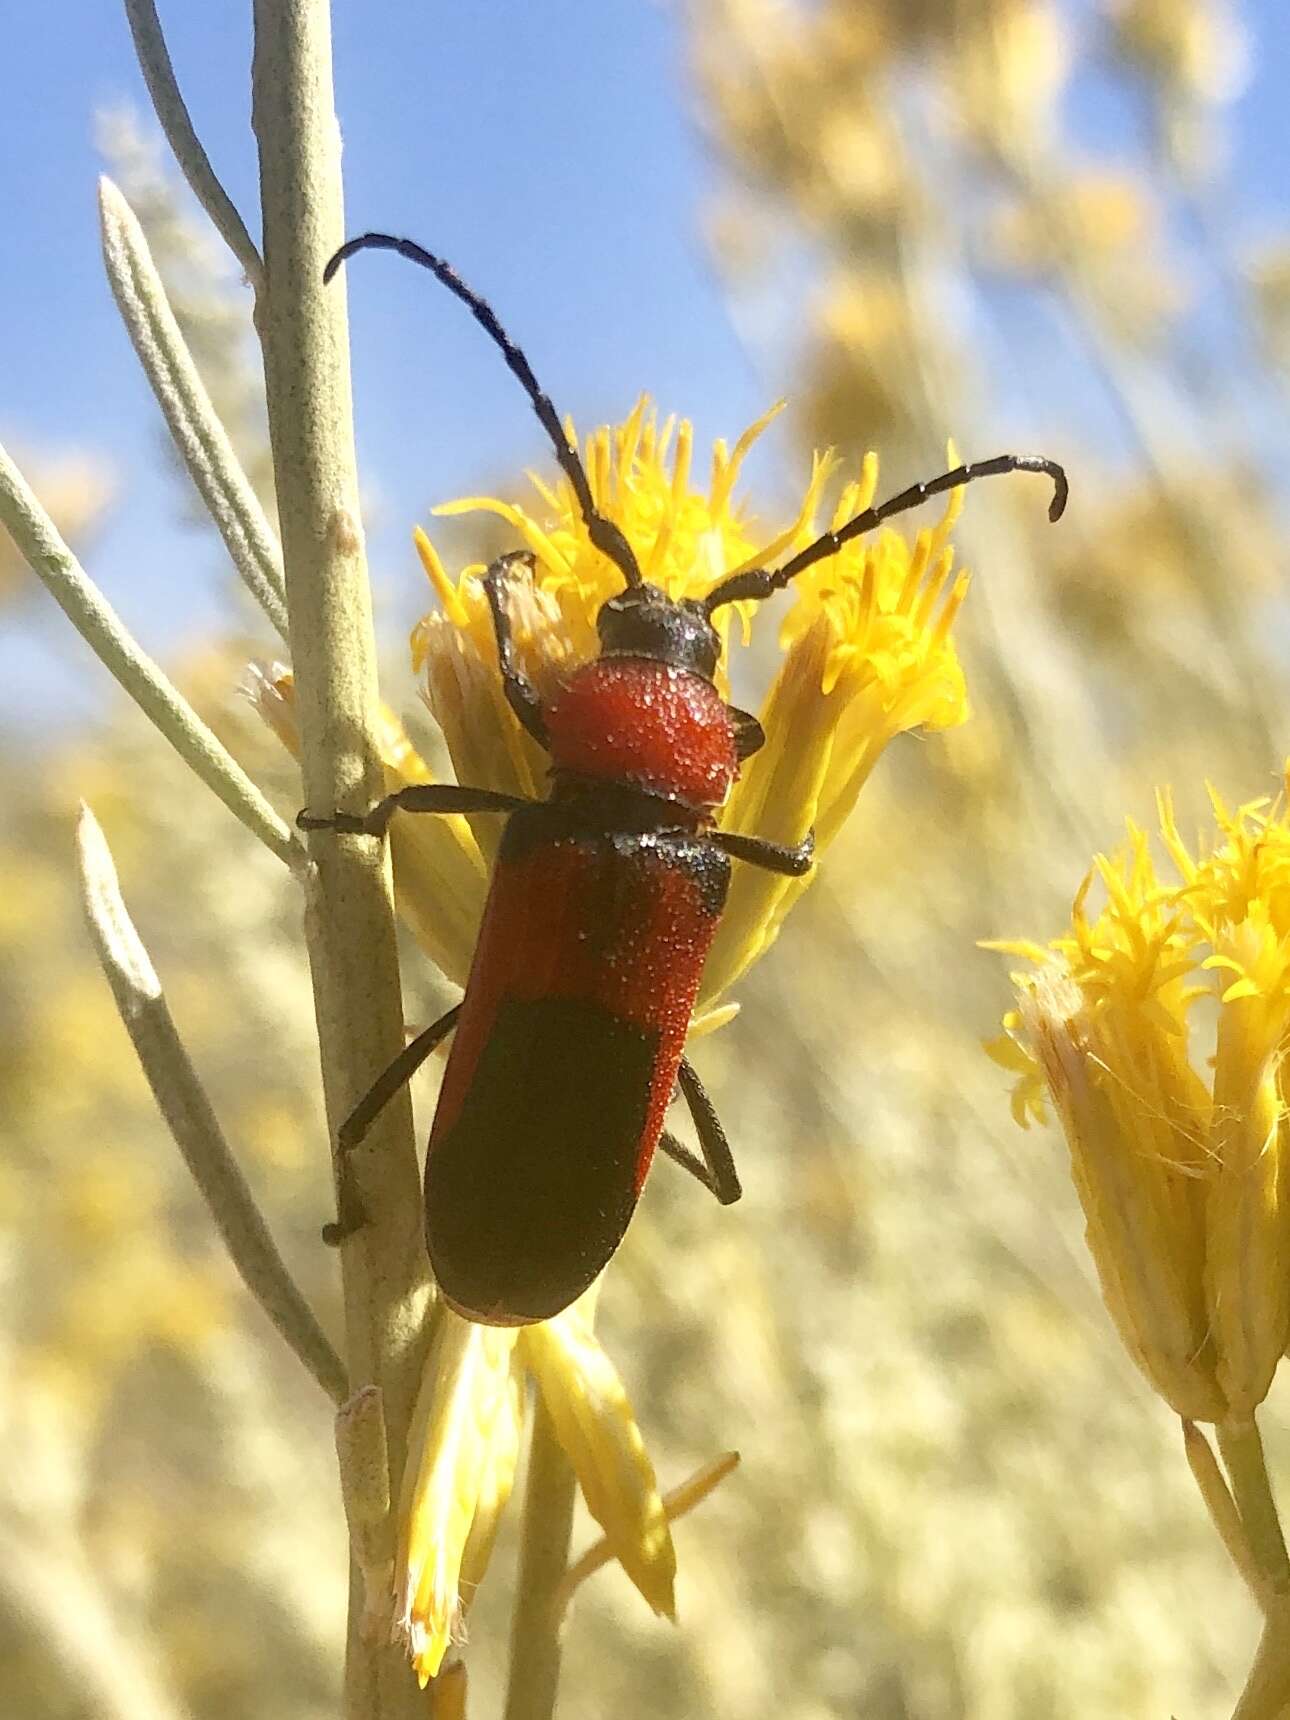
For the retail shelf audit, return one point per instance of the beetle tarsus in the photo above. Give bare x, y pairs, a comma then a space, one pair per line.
344, 823
351, 1214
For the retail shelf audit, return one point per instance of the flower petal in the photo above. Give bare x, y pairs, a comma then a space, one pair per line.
588, 1404
464, 1409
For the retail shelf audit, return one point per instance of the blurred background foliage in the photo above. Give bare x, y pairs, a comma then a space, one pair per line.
957, 1497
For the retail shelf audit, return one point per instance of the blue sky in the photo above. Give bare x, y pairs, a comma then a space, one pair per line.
544, 145
547, 147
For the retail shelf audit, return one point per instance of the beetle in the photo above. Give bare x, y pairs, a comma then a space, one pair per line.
604, 898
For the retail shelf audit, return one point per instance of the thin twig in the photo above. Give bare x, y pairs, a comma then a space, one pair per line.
157, 697
534, 1677
188, 1113
201, 439
349, 907
680, 1499
172, 113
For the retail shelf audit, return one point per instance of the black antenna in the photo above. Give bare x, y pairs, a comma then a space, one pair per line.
758, 582
604, 534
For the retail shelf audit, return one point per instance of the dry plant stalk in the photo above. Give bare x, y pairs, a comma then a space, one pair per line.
350, 915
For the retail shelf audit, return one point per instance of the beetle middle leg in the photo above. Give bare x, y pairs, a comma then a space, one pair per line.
351, 1216
750, 737
416, 797
716, 1169
771, 856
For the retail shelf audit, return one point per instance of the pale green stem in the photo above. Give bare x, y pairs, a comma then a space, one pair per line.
363, 1458
161, 702
1222, 1509
183, 1103
550, 1491
199, 436
1266, 1695
194, 163
350, 923
1242, 1449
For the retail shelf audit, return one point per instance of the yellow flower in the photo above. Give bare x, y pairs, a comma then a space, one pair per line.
867, 654
466, 1430
465, 1442
1179, 1158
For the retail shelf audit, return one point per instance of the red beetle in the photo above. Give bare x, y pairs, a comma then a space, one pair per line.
570, 1038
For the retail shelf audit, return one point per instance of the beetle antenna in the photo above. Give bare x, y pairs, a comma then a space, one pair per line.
759, 582
604, 534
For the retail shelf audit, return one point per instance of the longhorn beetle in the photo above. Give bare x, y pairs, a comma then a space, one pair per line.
604, 899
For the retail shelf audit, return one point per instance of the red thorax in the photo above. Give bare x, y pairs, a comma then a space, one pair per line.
638, 721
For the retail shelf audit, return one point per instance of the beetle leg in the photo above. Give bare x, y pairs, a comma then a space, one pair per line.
773, 856
521, 694
681, 1155
717, 1171
351, 1216
416, 797
750, 737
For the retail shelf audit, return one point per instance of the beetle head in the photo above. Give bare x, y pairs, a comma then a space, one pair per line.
644, 621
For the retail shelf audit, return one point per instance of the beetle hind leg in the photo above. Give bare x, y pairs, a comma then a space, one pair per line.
349, 1208
716, 1169
681, 1155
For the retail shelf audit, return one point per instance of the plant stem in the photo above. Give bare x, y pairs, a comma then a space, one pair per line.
1242, 1449
156, 696
544, 1558
189, 1115
199, 436
1209, 1478
172, 113
1266, 1695
349, 912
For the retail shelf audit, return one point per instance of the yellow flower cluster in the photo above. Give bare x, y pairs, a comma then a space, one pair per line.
867, 654
1158, 1029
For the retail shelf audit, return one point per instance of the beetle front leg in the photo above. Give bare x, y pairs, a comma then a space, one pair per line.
521, 694
772, 856
416, 797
